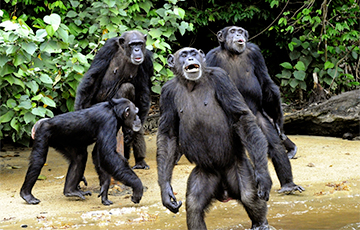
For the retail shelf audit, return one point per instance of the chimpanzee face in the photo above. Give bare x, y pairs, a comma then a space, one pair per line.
233, 38
188, 62
130, 117
134, 44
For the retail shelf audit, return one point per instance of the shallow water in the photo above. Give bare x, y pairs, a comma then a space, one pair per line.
321, 206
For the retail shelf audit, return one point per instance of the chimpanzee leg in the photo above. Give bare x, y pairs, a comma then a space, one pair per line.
133, 139
201, 187
242, 184
77, 158
117, 166
139, 148
37, 161
104, 178
278, 156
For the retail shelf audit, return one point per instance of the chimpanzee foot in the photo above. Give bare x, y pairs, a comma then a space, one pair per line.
141, 165
29, 198
290, 188
291, 154
78, 193
106, 202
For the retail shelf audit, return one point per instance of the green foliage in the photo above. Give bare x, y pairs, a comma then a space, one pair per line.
43, 59
324, 45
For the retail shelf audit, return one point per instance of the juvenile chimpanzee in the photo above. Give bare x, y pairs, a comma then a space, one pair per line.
203, 116
121, 68
246, 67
71, 133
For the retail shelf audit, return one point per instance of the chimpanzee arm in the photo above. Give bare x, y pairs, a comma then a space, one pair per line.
247, 129
271, 94
91, 81
115, 164
166, 148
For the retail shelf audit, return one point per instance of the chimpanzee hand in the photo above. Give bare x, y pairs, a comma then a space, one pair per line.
169, 199
263, 182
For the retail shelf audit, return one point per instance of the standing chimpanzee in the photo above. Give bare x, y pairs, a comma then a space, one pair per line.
121, 68
203, 116
71, 133
246, 67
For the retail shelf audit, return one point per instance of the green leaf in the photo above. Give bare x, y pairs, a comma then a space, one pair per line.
180, 12
41, 177
156, 89
3, 60
155, 33
14, 123
7, 116
300, 66
294, 55
293, 83
48, 101
299, 75
30, 48
286, 65
11, 103
33, 86
71, 14
29, 117
46, 79
39, 111
328, 65
146, 5
25, 105
54, 20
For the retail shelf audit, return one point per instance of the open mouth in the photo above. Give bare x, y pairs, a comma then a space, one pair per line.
192, 68
240, 41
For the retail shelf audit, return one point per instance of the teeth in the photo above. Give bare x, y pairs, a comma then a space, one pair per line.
192, 68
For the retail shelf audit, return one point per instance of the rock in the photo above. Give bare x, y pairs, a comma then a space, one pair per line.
337, 117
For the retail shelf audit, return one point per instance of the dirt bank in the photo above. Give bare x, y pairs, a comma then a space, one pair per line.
328, 168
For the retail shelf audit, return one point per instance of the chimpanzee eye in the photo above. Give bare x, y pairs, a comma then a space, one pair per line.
183, 54
232, 31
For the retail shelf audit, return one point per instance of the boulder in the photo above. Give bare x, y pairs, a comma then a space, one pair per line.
338, 116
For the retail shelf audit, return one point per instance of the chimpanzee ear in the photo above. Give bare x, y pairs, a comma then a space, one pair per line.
220, 36
126, 112
246, 34
121, 41
202, 54
171, 60
145, 37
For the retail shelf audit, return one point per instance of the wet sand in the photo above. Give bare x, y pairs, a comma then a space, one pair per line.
328, 168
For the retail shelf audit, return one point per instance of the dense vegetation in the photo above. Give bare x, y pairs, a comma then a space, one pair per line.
47, 46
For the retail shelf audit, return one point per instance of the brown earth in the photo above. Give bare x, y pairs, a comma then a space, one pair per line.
328, 168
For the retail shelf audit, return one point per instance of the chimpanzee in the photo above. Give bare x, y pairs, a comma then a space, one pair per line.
203, 116
71, 133
246, 67
121, 68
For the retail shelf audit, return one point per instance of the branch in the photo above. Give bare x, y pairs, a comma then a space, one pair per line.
270, 23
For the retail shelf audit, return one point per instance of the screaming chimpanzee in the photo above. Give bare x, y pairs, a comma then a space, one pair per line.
203, 116
71, 133
246, 67
121, 68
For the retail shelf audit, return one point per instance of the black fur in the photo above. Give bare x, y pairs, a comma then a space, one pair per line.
208, 120
112, 74
71, 133
247, 69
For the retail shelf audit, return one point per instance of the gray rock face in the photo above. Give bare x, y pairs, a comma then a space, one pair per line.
337, 117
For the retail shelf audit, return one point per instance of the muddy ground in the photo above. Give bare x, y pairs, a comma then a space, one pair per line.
328, 168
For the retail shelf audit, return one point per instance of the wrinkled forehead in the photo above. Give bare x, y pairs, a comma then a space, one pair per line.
236, 28
186, 50
132, 36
